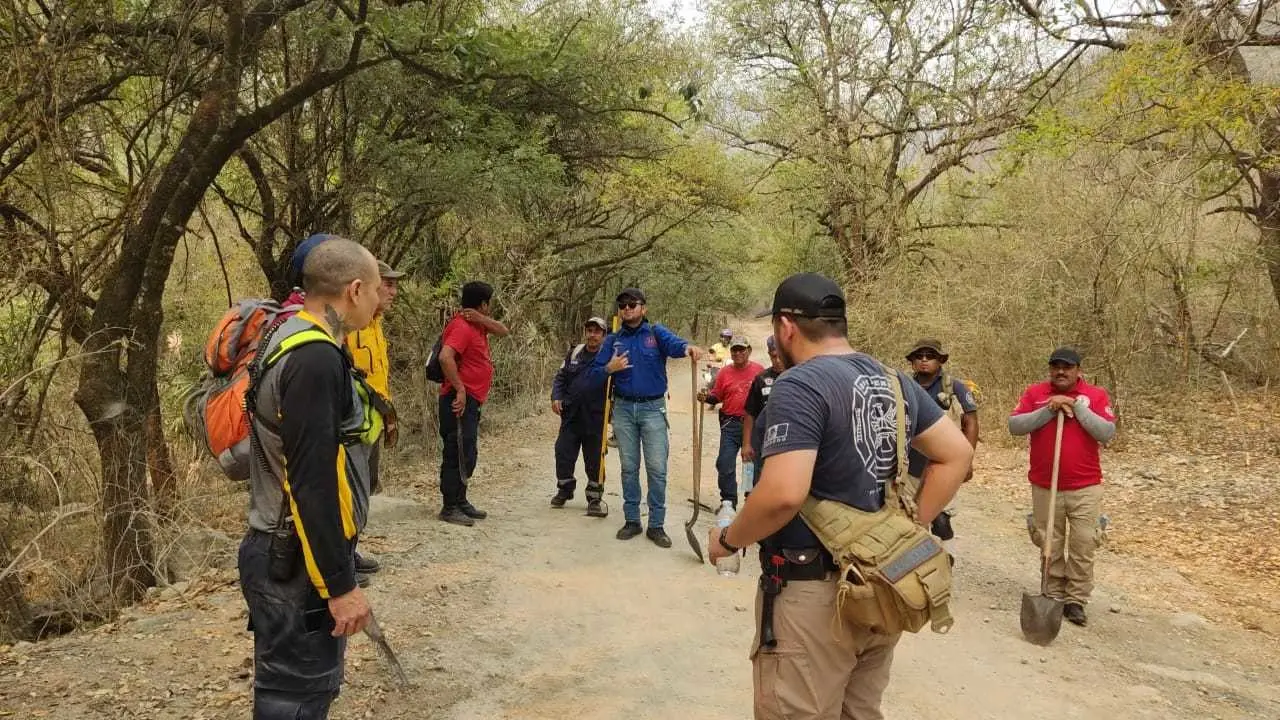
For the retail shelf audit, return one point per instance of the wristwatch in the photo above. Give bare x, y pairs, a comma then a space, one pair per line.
724, 540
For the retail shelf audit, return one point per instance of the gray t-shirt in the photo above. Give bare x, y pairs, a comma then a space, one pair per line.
842, 406
917, 462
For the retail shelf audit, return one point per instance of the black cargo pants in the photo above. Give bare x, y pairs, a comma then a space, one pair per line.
297, 662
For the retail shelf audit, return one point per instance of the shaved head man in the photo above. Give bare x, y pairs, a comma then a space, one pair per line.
297, 561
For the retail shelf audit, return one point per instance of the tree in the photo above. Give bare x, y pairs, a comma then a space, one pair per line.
876, 101
1221, 52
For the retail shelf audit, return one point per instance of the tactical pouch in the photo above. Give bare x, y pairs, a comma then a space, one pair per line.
894, 575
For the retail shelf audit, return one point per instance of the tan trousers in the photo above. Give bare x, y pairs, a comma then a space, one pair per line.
814, 674
1076, 511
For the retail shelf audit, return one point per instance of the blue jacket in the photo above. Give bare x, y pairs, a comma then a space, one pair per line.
647, 346
582, 401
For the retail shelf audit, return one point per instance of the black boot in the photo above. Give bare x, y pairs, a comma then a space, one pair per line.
454, 514
1075, 613
472, 511
562, 496
659, 537
628, 531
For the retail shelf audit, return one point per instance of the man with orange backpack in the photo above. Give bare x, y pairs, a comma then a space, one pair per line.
308, 498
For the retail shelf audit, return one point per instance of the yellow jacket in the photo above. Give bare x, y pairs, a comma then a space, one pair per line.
369, 350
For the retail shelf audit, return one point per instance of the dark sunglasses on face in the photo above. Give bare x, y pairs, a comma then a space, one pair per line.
923, 356
630, 305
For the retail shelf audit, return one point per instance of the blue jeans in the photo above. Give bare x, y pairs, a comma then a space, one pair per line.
637, 426
727, 460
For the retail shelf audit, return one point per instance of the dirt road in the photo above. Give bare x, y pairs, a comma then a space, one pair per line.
541, 613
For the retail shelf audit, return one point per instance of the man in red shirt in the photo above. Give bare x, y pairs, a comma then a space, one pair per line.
1089, 424
464, 360
730, 390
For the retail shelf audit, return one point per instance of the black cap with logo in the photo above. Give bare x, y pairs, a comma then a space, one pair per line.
633, 294
1065, 355
808, 295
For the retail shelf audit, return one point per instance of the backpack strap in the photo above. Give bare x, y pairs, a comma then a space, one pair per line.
948, 394
895, 491
577, 351
257, 369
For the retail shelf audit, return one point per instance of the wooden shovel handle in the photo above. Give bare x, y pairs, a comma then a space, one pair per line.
1049, 523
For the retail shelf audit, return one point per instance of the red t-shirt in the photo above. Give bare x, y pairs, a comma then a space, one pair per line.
1079, 466
733, 385
475, 369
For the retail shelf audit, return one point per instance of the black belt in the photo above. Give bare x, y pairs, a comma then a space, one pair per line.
638, 398
792, 568
780, 567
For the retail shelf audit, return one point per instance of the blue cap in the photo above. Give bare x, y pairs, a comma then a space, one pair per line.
300, 254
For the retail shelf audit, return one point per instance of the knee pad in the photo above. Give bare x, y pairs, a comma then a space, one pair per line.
942, 526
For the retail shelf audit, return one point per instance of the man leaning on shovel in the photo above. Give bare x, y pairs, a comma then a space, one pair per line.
1088, 424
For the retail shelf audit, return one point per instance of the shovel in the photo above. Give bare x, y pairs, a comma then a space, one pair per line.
374, 631
1041, 616
604, 438
696, 421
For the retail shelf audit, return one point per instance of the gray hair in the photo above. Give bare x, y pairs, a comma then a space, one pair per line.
334, 264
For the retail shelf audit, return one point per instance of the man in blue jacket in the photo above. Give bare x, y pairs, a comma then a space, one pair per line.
581, 411
636, 357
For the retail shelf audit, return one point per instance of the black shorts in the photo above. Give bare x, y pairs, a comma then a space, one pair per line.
294, 650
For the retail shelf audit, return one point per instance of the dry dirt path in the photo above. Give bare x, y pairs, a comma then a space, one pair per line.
539, 613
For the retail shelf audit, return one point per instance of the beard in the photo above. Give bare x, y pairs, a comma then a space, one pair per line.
788, 360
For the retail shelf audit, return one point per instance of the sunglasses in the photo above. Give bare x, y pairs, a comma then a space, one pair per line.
924, 356
631, 305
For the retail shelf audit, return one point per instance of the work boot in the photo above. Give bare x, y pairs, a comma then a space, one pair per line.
367, 564
659, 537
362, 580
562, 496
472, 511
595, 508
455, 515
1074, 612
630, 530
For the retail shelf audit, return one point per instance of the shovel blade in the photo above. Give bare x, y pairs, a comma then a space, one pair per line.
1041, 618
693, 540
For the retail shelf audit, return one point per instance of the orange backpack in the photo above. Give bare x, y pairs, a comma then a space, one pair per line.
214, 410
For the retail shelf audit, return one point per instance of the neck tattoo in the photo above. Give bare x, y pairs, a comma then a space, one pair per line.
334, 321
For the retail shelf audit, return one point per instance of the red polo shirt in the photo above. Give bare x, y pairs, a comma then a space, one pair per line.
475, 369
733, 385
1080, 465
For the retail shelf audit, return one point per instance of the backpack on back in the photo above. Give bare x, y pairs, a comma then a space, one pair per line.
435, 373
214, 411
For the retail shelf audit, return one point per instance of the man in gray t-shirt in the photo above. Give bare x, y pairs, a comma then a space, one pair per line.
830, 431
843, 407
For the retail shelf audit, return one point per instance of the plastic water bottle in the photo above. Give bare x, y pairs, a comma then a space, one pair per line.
727, 566
748, 476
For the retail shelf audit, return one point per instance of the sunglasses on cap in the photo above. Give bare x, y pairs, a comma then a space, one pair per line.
629, 304
926, 355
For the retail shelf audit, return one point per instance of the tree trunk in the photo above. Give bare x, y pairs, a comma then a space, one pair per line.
15, 614
164, 481
1269, 225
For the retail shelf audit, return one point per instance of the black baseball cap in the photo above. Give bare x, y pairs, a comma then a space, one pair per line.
808, 295
634, 293
1065, 355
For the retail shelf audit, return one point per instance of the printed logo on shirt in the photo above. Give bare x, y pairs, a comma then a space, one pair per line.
777, 434
874, 421
650, 341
